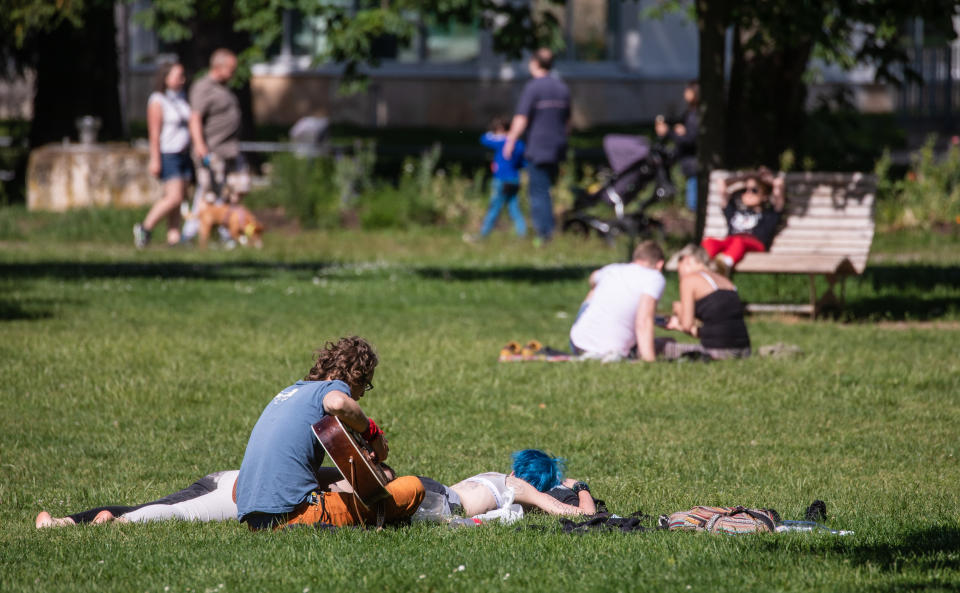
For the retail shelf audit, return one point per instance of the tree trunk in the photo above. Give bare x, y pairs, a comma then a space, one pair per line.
211, 31
767, 98
77, 75
712, 19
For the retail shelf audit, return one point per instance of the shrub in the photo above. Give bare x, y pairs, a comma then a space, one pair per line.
318, 191
928, 194
304, 187
424, 195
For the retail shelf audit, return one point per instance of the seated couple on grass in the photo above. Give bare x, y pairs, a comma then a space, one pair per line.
618, 315
536, 482
278, 482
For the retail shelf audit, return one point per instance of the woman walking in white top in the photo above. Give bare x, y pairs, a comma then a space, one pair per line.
168, 118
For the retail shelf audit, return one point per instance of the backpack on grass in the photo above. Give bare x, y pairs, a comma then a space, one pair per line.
732, 520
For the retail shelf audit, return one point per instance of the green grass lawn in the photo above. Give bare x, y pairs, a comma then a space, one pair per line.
126, 375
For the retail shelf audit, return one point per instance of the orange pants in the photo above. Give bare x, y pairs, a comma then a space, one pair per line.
337, 508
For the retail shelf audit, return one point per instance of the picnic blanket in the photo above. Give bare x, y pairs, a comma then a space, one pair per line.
533, 351
536, 351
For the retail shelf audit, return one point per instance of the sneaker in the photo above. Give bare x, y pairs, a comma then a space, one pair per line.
721, 266
141, 236
470, 238
511, 350
817, 511
532, 348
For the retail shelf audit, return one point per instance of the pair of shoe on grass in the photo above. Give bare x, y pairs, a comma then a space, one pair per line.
513, 349
533, 349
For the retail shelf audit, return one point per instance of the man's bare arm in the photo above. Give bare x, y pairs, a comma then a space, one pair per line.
196, 135
341, 405
517, 126
643, 326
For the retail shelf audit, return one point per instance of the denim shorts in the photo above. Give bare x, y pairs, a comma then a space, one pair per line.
175, 165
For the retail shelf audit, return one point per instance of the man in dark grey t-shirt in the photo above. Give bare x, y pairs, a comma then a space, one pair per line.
543, 112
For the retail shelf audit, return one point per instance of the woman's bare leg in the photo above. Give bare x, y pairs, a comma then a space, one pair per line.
102, 517
45, 520
173, 190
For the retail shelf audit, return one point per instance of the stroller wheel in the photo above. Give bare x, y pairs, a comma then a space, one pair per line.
576, 227
651, 228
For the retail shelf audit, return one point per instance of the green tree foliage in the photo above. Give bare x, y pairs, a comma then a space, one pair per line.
774, 42
760, 111
353, 30
71, 44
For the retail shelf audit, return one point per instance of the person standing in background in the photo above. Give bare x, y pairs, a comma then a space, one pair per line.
684, 135
506, 181
543, 113
222, 173
168, 118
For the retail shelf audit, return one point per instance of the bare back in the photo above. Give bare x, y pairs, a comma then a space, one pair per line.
477, 498
701, 286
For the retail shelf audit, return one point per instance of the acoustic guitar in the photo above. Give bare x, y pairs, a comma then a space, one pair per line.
353, 458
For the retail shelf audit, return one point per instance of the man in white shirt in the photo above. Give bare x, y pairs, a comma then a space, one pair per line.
619, 311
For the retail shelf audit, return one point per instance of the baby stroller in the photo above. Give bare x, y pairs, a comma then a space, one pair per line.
634, 163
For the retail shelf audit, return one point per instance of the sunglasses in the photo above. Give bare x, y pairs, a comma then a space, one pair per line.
751, 189
369, 387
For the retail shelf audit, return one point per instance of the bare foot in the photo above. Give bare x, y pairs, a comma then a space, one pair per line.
45, 520
103, 516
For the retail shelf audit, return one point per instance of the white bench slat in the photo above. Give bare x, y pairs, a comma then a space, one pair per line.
796, 264
814, 235
827, 224
839, 242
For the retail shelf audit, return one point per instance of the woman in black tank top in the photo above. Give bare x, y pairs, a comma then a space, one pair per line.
712, 300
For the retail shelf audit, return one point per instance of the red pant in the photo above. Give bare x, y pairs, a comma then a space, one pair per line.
733, 246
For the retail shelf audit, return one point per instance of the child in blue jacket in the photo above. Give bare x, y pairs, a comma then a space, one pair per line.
506, 179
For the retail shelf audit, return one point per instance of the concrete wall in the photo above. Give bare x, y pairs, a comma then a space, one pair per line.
61, 177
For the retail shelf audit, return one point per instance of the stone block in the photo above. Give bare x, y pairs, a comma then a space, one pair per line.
65, 176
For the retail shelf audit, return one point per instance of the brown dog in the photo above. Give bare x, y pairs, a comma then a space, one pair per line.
243, 226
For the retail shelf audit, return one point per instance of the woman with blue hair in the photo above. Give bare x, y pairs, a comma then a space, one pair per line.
534, 474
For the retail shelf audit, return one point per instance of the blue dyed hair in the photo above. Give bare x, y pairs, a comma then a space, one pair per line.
538, 469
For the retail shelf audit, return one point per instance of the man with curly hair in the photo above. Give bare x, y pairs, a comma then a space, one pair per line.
278, 484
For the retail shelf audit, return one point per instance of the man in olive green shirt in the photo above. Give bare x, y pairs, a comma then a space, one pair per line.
215, 130
215, 122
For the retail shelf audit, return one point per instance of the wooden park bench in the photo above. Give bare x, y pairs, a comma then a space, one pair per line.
827, 229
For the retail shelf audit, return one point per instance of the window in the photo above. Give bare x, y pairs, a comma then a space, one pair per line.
588, 28
433, 41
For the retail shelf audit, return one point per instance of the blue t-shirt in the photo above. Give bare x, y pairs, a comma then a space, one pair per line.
507, 170
545, 102
282, 454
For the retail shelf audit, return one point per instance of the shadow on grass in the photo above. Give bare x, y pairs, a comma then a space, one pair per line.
899, 308
13, 310
531, 274
900, 293
915, 292
67, 270
907, 276
934, 547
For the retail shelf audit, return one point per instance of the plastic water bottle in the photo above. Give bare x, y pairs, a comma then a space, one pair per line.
465, 522
433, 509
808, 527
